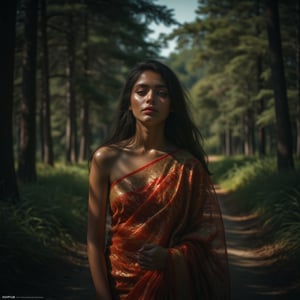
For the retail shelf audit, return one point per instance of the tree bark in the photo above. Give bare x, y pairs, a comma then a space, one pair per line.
71, 127
284, 134
85, 131
249, 133
228, 141
261, 133
8, 182
46, 142
261, 130
298, 77
26, 163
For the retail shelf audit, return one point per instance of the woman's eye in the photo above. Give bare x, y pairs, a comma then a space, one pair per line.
141, 92
163, 94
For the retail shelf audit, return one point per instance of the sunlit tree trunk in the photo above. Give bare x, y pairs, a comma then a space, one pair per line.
26, 162
46, 142
84, 115
71, 127
284, 134
8, 183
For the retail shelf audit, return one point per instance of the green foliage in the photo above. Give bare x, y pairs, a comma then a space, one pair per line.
110, 36
182, 64
50, 217
233, 90
241, 175
221, 168
256, 186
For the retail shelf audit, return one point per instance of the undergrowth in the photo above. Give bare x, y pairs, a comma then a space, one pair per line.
50, 216
257, 186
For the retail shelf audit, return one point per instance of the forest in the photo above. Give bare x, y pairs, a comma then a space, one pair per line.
63, 64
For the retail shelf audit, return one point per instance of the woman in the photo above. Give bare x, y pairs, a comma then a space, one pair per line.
154, 228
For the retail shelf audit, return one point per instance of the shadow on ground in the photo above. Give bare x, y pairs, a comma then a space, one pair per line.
258, 267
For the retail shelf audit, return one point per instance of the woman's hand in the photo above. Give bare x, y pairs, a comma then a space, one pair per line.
152, 257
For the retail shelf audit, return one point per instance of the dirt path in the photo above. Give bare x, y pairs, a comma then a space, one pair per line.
256, 270
75, 282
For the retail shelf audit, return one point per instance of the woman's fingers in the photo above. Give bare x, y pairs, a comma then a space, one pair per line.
152, 257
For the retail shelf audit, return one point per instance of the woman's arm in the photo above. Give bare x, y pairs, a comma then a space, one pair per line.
98, 195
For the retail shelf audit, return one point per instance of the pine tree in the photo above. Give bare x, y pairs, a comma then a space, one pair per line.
45, 115
8, 183
26, 159
284, 135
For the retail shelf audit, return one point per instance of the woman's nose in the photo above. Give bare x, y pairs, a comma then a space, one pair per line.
150, 96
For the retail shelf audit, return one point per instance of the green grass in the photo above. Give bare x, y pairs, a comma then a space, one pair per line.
223, 165
50, 216
257, 186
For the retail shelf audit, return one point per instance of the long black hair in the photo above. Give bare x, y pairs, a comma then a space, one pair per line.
179, 127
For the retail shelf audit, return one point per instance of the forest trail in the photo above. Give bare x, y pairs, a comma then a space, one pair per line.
74, 280
255, 269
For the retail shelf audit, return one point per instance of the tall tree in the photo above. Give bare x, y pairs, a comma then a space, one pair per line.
71, 129
8, 183
261, 131
45, 120
284, 134
26, 163
298, 75
84, 114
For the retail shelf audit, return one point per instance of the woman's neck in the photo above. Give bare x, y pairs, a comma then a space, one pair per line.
149, 138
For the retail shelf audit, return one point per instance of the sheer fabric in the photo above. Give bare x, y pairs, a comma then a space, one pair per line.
170, 202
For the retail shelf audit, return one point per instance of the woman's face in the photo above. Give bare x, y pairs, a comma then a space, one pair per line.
149, 100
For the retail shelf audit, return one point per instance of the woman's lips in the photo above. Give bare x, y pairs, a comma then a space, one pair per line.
149, 109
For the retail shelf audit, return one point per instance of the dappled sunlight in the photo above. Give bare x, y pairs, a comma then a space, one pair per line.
255, 261
250, 259
240, 218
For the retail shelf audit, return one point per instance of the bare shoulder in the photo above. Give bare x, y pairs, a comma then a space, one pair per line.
105, 156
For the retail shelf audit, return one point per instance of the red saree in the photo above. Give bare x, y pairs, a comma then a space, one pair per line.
170, 202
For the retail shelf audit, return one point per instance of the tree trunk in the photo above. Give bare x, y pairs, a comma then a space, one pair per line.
46, 142
84, 116
8, 182
249, 133
222, 139
284, 134
26, 170
228, 141
71, 127
41, 127
261, 132
298, 77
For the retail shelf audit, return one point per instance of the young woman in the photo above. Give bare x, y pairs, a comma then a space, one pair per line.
154, 225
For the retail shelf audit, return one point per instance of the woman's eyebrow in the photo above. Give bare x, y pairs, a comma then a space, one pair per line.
143, 85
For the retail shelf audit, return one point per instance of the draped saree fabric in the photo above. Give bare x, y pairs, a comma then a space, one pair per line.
170, 202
